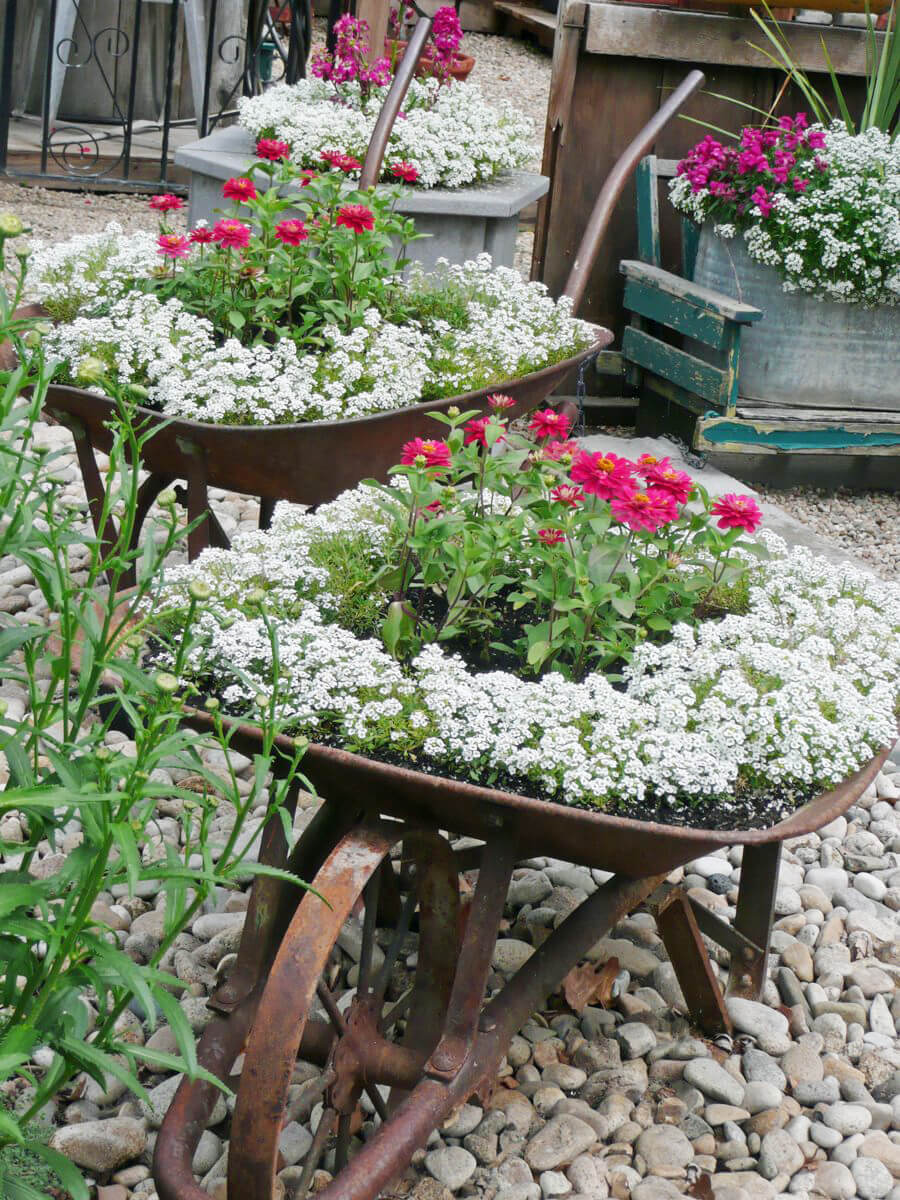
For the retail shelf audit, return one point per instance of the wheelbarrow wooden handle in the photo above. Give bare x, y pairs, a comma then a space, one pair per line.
406, 68
615, 183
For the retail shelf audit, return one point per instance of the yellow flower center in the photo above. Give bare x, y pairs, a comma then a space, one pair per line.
605, 464
641, 498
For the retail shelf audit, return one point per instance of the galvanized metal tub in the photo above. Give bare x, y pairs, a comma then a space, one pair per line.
806, 352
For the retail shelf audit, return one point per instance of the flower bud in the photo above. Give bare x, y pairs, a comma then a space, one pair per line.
90, 370
10, 225
137, 392
103, 753
261, 699
166, 682
211, 704
449, 493
255, 597
167, 499
32, 338
200, 590
548, 479
453, 411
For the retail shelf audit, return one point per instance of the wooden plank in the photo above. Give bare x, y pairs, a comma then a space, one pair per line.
758, 410
527, 15
684, 289
677, 366
375, 12
690, 37
738, 436
648, 211
675, 312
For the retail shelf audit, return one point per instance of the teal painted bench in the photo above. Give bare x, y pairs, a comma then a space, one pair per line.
682, 346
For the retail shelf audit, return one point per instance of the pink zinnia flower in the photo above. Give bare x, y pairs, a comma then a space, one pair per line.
737, 512
644, 510
568, 494
306, 177
343, 162
173, 245
405, 171
549, 424
240, 189
356, 217
551, 537
166, 203
498, 402
431, 453
272, 149
678, 484
476, 431
202, 235
647, 462
556, 450
230, 233
292, 232
603, 475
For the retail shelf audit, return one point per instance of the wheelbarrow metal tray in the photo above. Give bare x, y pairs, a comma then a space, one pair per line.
594, 839
307, 463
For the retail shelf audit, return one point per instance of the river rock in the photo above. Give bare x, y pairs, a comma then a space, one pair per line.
767, 1025
779, 1154
561, 1140
451, 1165
835, 1181
847, 1119
873, 1180
664, 1146
101, 1145
714, 1081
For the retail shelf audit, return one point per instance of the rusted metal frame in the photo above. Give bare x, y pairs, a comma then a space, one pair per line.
475, 958
566, 45
197, 498
387, 1153
106, 531
283, 1008
680, 932
406, 69
266, 511
721, 932
615, 183
753, 918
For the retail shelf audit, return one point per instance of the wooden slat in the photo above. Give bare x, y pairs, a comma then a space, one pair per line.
684, 289
733, 435
646, 181
758, 410
675, 312
677, 366
675, 35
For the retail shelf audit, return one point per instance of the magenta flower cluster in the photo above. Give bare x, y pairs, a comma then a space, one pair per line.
768, 160
349, 61
446, 34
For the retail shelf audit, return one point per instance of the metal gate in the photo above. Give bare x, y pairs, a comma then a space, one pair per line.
101, 92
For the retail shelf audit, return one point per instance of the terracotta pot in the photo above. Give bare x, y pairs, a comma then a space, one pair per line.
459, 69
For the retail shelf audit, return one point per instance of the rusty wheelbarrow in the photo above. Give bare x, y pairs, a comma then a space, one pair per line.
374, 850
306, 463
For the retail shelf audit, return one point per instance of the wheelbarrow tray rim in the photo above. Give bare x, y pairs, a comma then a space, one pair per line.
624, 845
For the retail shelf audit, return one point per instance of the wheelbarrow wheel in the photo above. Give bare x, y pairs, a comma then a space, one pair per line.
371, 1045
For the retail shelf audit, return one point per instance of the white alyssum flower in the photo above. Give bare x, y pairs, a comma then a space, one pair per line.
513, 326
799, 691
450, 134
85, 273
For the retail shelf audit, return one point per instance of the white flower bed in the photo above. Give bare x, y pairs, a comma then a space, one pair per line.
837, 240
450, 134
800, 691
377, 367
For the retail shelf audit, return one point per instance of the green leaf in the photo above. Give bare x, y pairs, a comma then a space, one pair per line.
9, 1128
659, 623
18, 1189
537, 652
97, 1063
69, 1175
236, 319
170, 1062
624, 605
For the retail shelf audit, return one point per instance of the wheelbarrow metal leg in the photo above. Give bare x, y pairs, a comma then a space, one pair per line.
680, 931
388, 1152
755, 910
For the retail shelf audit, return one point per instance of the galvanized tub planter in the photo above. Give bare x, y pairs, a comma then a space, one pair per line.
276, 1005
459, 223
804, 352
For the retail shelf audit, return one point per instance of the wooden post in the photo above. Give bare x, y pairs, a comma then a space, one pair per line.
375, 12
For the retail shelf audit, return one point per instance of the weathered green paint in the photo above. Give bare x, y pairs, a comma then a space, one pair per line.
646, 183
675, 313
610, 362
732, 360
716, 432
690, 240
676, 365
675, 394
684, 289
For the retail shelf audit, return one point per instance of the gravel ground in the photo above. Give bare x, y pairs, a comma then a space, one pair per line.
865, 523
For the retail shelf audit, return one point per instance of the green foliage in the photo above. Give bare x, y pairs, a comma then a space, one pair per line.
882, 97
348, 559
64, 979
273, 289
488, 555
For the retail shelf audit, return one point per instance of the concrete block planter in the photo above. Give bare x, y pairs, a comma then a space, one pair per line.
461, 222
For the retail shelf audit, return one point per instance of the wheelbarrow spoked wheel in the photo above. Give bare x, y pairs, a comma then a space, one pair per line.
370, 1027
